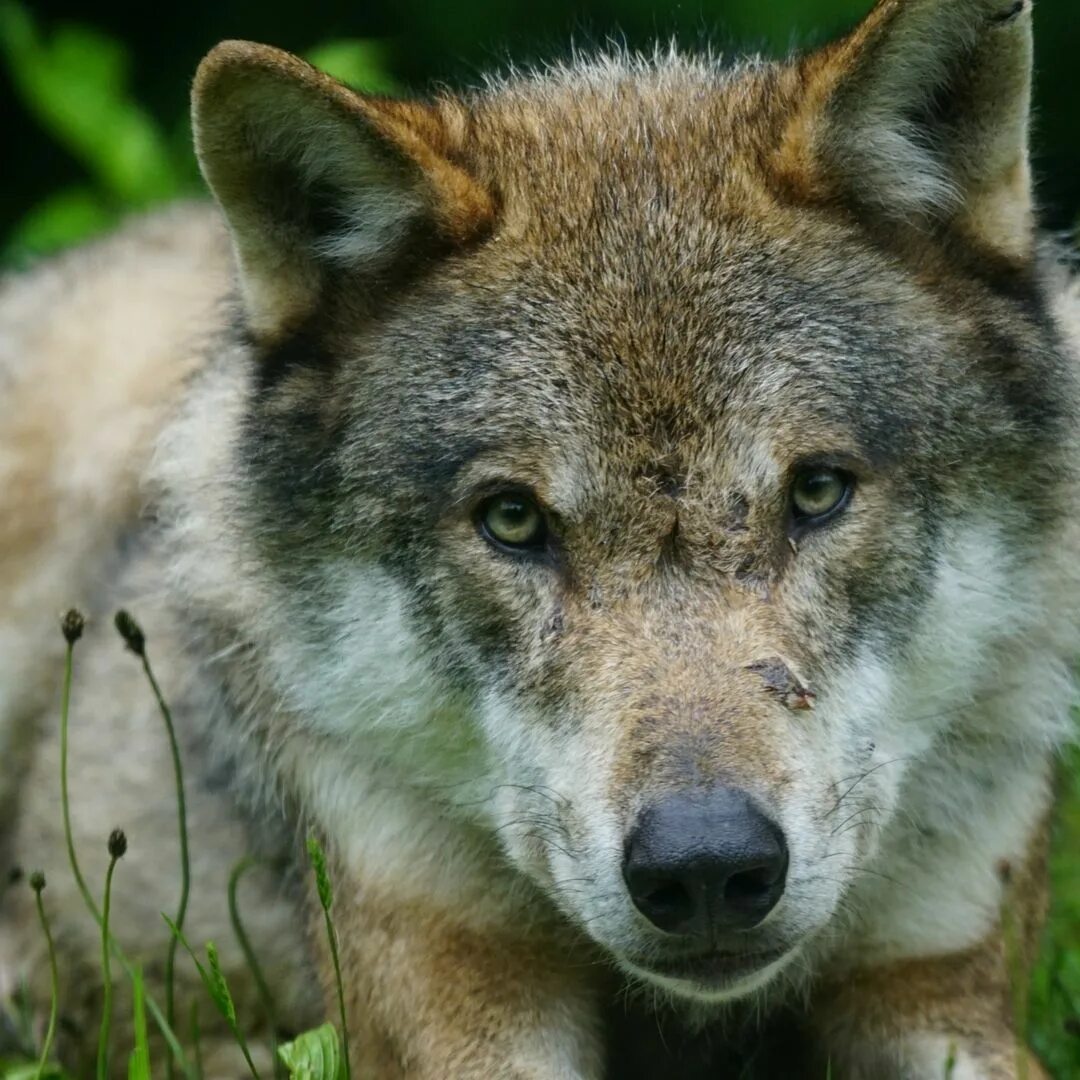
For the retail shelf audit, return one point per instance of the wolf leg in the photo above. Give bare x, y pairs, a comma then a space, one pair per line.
428, 998
955, 1014
947, 1017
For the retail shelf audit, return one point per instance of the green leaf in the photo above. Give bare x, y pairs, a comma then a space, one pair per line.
315, 1055
950, 1062
358, 62
22, 1070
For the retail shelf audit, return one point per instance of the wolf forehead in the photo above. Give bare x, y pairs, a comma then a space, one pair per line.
621, 144
642, 251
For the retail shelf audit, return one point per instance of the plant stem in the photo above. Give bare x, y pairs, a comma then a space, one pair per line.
106, 1005
326, 900
54, 1005
332, 938
247, 1053
65, 803
163, 1025
185, 860
261, 985
332, 935
217, 988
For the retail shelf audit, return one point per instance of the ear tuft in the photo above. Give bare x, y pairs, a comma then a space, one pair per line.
921, 115
317, 181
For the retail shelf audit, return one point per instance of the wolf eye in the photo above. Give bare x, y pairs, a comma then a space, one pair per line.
513, 521
818, 494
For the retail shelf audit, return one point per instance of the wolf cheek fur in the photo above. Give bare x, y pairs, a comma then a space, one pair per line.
643, 298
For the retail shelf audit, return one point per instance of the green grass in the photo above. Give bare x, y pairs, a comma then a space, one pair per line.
1054, 1003
309, 1057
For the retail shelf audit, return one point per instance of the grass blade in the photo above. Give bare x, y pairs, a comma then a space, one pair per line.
218, 989
262, 987
139, 1061
326, 900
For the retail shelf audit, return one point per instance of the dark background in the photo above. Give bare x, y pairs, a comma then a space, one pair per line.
418, 42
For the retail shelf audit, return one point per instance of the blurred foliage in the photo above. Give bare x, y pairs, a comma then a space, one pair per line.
100, 110
76, 82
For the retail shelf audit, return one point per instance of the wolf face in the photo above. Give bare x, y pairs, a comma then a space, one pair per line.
651, 462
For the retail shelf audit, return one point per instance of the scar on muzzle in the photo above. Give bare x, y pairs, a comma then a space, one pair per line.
781, 680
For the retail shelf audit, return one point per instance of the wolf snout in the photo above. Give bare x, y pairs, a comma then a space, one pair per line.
702, 863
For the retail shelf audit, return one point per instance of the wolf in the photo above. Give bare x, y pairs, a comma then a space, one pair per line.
628, 512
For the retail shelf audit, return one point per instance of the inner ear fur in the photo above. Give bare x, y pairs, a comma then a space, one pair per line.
921, 115
315, 179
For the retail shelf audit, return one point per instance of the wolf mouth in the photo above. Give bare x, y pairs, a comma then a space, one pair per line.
717, 970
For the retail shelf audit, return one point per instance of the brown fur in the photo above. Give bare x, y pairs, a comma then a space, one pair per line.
972, 997
644, 293
436, 999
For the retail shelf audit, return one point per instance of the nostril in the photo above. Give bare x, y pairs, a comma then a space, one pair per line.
750, 885
665, 901
669, 902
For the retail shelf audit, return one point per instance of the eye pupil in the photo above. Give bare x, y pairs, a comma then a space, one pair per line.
513, 512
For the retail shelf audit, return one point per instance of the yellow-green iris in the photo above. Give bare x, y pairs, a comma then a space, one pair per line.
513, 520
818, 492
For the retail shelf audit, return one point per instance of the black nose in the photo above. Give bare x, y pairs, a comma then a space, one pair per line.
705, 861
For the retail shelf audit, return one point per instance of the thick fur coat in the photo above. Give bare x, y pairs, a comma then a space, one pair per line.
645, 302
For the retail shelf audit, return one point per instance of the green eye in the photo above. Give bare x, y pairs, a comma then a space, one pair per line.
513, 521
817, 493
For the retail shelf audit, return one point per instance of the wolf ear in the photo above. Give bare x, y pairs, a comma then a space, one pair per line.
922, 111
317, 181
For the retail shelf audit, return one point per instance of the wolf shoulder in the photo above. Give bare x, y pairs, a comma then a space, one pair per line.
119, 303
95, 347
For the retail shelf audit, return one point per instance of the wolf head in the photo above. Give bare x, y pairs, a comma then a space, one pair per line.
670, 449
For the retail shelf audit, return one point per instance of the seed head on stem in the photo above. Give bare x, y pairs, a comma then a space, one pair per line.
71, 625
131, 632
